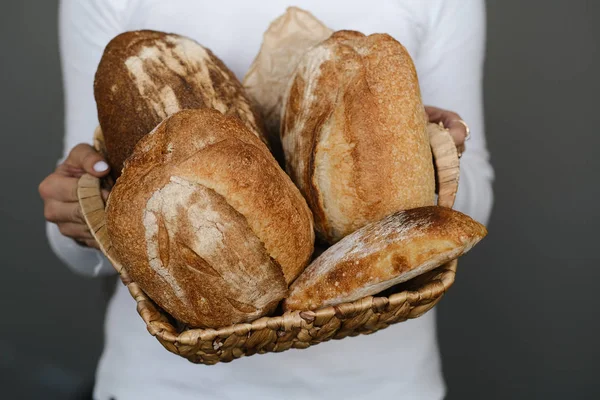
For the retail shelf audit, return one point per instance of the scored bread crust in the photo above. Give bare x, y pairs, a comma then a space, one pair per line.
198, 217
354, 133
145, 76
382, 254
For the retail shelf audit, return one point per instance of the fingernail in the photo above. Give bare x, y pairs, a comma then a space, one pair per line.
100, 166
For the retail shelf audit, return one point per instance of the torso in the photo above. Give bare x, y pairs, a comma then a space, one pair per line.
399, 362
236, 39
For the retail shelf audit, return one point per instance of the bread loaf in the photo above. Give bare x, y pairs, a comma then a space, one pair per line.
206, 222
382, 254
145, 76
354, 133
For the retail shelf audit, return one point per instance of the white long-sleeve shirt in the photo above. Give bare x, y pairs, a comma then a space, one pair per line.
446, 39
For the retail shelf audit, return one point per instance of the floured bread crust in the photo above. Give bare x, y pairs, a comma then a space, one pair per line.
206, 222
354, 133
382, 254
145, 76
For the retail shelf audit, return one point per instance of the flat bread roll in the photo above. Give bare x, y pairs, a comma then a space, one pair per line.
382, 254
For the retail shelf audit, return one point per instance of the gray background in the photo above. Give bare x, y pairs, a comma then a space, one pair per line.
520, 322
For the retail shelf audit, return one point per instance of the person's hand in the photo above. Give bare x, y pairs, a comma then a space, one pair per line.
59, 193
453, 122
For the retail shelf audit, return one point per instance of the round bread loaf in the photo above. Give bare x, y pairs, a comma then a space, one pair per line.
206, 222
354, 133
145, 76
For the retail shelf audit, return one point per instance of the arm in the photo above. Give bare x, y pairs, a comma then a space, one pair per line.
450, 67
85, 27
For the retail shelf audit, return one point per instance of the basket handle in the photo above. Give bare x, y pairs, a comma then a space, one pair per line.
92, 207
447, 165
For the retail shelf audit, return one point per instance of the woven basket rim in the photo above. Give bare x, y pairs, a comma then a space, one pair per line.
290, 319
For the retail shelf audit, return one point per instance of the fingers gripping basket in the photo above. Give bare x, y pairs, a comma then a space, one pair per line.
298, 329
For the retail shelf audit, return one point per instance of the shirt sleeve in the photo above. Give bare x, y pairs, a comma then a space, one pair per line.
450, 67
85, 27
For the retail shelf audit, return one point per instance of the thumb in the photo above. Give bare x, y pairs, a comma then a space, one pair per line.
84, 157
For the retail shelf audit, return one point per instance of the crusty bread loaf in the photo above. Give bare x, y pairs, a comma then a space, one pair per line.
206, 222
354, 133
382, 254
145, 76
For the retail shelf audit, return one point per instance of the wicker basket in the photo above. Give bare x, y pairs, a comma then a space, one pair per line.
298, 329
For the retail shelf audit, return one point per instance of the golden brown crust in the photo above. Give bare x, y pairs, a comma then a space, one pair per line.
383, 254
354, 133
203, 195
145, 76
